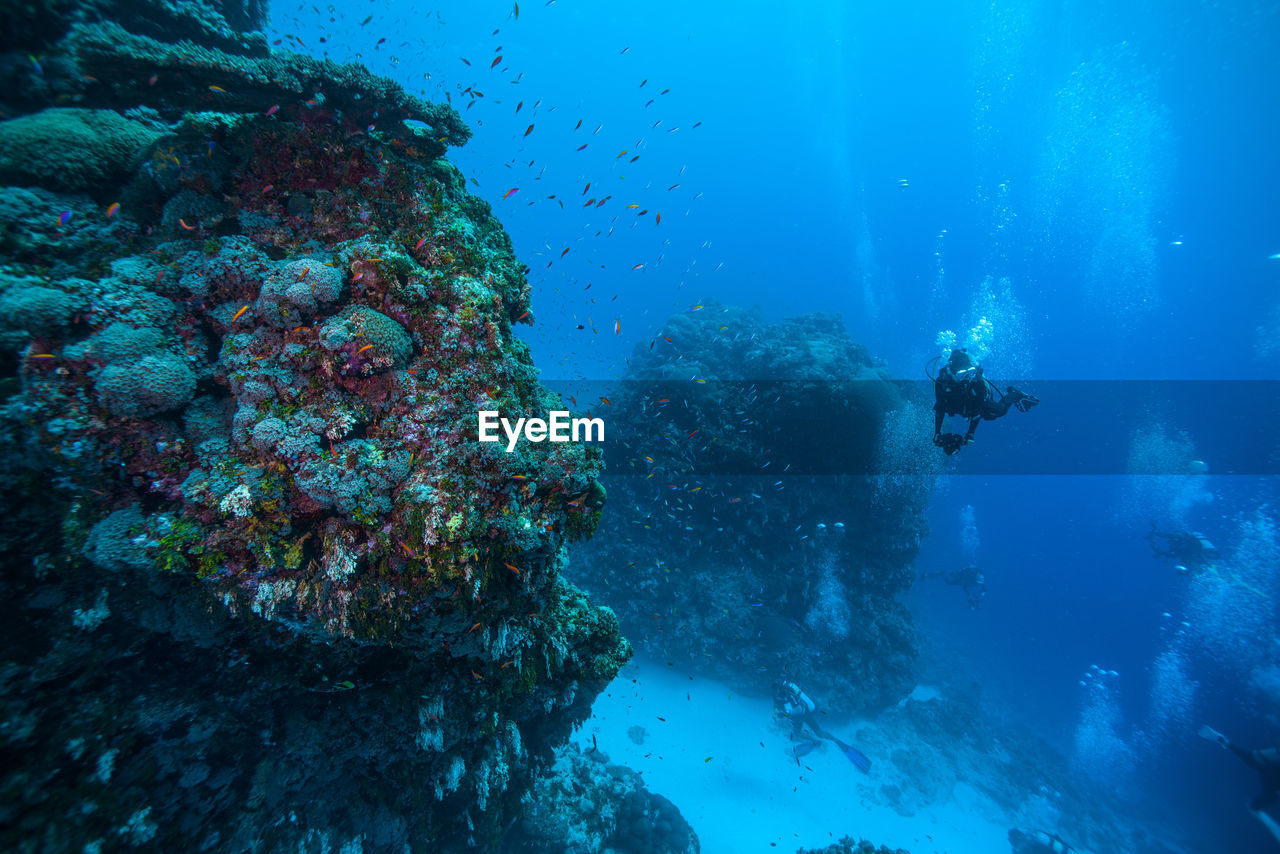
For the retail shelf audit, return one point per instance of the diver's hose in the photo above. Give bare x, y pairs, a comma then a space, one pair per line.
928, 366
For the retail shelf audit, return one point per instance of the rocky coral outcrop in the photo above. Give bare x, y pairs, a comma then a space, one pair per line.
585, 804
71, 149
282, 598
736, 447
848, 845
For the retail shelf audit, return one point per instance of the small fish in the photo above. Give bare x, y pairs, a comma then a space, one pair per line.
365, 347
464, 59
528, 130
617, 327
672, 187
239, 313
271, 111
588, 187
183, 223
366, 20
113, 209
519, 105
638, 267
624, 50
580, 147
418, 245
217, 89
657, 218
151, 81
42, 356
514, 569
496, 60
565, 252
606, 401
65, 217
268, 188
509, 193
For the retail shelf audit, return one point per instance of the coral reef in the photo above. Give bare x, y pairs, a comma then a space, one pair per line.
273, 591
848, 845
938, 745
585, 804
737, 445
71, 149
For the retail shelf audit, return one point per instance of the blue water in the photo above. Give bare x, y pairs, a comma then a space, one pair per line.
1116, 163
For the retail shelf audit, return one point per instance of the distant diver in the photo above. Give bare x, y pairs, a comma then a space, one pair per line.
961, 389
789, 701
1267, 763
1037, 842
1190, 551
970, 579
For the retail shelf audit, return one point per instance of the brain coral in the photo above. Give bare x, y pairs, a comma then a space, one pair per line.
68, 148
387, 342
38, 309
293, 293
156, 384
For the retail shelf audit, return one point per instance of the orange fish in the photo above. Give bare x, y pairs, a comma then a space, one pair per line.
183, 223
112, 209
528, 130
514, 569
239, 313
365, 347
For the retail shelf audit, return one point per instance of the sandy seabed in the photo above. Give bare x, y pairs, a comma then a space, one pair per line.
723, 760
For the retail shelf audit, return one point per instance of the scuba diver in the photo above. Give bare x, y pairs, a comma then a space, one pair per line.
970, 579
1267, 763
789, 701
961, 389
1038, 842
1190, 551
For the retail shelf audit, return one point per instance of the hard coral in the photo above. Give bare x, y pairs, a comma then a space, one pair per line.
71, 149
160, 383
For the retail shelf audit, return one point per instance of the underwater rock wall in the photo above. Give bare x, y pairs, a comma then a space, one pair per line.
269, 590
742, 443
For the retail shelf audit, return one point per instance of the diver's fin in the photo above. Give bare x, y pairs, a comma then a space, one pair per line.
1269, 823
1208, 733
858, 759
1021, 400
854, 755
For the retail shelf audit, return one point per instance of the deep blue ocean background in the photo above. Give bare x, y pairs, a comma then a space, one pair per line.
1108, 170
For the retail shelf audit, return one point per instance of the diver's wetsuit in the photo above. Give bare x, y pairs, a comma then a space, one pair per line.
974, 399
970, 579
796, 705
1267, 763
1185, 547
